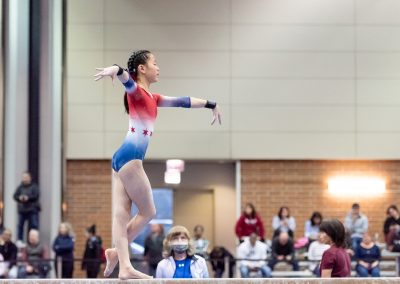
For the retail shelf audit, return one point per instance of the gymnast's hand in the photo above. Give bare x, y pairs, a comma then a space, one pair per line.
216, 115
107, 71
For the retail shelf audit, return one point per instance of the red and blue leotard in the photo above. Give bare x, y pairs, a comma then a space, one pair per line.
142, 115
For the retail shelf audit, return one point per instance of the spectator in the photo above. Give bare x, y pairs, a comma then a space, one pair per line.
9, 252
392, 222
153, 247
217, 259
356, 225
200, 243
92, 256
314, 255
254, 255
283, 222
311, 228
36, 258
63, 246
283, 250
249, 222
368, 256
181, 262
1, 225
335, 260
27, 196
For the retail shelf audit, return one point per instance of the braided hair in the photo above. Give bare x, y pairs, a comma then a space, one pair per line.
137, 58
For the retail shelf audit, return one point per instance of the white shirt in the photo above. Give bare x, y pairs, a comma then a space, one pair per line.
258, 251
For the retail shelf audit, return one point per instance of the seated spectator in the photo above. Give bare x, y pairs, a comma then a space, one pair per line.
217, 259
368, 256
92, 256
153, 247
335, 260
181, 262
8, 250
392, 222
356, 224
283, 250
314, 255
255, 254
200, 243
35, 257
283, 222
249, 222
311, 228
63, 246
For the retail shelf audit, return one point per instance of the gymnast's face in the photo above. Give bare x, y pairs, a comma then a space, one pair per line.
151, 70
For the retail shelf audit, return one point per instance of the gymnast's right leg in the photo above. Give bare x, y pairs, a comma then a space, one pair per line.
122, 207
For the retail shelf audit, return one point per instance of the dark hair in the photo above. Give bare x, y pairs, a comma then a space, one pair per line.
253, 209
355, 206
394, 207
281, 210
91, 229
137, 58
335, 230
314, 215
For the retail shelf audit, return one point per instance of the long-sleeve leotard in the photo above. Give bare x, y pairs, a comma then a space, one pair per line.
142, 115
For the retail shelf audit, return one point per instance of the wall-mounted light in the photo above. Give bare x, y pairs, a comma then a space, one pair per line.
172, 177
173, 173
356, 185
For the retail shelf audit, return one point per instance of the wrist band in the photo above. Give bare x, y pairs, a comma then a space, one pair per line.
210, 104
120, 70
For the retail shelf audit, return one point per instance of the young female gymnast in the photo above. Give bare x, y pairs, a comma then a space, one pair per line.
130, 182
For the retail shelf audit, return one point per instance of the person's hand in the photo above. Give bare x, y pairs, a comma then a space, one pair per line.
289, 257
29, 269
281, 257
107, 72
216, 115
374, 264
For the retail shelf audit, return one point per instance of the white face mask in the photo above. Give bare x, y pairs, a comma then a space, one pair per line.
179, 246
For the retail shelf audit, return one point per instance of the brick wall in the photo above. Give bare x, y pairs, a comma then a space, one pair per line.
302, 185
88, 199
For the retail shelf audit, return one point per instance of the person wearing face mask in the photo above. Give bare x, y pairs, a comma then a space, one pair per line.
181, 262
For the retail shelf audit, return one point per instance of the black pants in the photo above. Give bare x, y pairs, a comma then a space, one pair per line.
92, 272
67, 269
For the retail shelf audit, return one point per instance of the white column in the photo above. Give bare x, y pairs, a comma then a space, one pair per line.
51, 119
16, 103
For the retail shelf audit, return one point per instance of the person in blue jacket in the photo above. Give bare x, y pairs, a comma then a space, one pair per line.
63, 246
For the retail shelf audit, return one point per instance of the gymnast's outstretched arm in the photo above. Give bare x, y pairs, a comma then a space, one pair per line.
121, 74
190, 102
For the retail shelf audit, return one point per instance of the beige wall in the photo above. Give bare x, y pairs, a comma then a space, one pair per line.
219, 177
295, 79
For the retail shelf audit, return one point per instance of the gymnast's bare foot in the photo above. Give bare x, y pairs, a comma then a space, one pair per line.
131, 273
112, 260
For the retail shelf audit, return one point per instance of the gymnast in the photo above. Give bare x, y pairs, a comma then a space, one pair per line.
130, 182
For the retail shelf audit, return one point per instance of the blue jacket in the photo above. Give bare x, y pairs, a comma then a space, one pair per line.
64, 246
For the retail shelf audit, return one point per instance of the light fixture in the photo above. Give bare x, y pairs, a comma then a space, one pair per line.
173, 173
172, 177
356, 186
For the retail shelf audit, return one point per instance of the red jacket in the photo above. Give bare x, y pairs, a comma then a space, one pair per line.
247, 225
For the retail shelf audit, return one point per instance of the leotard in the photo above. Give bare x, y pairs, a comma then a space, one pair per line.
142, 115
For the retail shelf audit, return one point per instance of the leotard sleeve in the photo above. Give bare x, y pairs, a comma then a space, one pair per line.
130, 86
164, 101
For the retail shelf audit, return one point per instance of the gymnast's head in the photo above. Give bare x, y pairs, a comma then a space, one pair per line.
142, 66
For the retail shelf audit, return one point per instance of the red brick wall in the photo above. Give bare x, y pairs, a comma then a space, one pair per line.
302, 185
88, 200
